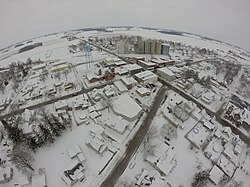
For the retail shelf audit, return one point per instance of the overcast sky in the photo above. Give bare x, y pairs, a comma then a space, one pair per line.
226, 20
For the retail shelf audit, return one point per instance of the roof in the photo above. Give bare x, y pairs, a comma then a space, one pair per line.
166, 70
116, 123
128, 80
97, 129
96, 144
145, 75
143, 90
216, 174
23, 180
120, 86
226, 165
39, 181
126, 106
74, 150
132, 67
163, 159
61, 104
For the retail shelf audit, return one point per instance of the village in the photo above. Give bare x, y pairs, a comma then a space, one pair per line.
73, 103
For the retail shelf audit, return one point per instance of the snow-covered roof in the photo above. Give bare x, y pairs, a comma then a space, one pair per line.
120, 86
125, 106
166, 71
226, 165
39, 181
163, 158
145, 75
146, 63
198, 135
119, 62
6, 174
116, 123
142, 90
131, 67
74, 150
216, 174
96, 144
129, 80
92, 76
23, 181
97, 129
61, 104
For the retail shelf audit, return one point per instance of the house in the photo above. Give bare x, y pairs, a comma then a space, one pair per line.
109, 91
39, 180
183, 110
133, 68
92, 77
76, 152
36, 94
73, 173
208, 97
80, 102
96, 95
151, 179
68, 85
96, 130
198, 135
119, 63
215, 175
226, 165
116, 123
39, 67
163, 159
129, 82
61, 105
121, 70
196, 91
51, 89
146, 77
23, 181
183, 84
147, 65
108, 62
97, 144
143, 91
238, 116
59, 66
6, 174
166, 74
120, 87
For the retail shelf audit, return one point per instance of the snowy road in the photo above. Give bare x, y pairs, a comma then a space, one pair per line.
134, 144
39, 105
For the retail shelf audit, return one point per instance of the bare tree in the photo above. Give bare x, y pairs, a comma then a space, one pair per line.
66, 72
124, 182
168, 131
2, 87
201, 179
22, 158
57, 75
148, 143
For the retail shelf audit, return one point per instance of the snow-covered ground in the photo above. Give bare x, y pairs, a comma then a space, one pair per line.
117, 115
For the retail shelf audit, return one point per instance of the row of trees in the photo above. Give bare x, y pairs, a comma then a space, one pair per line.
190, 73
50, 127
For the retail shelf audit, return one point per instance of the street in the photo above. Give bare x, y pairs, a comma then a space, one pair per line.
134, 144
